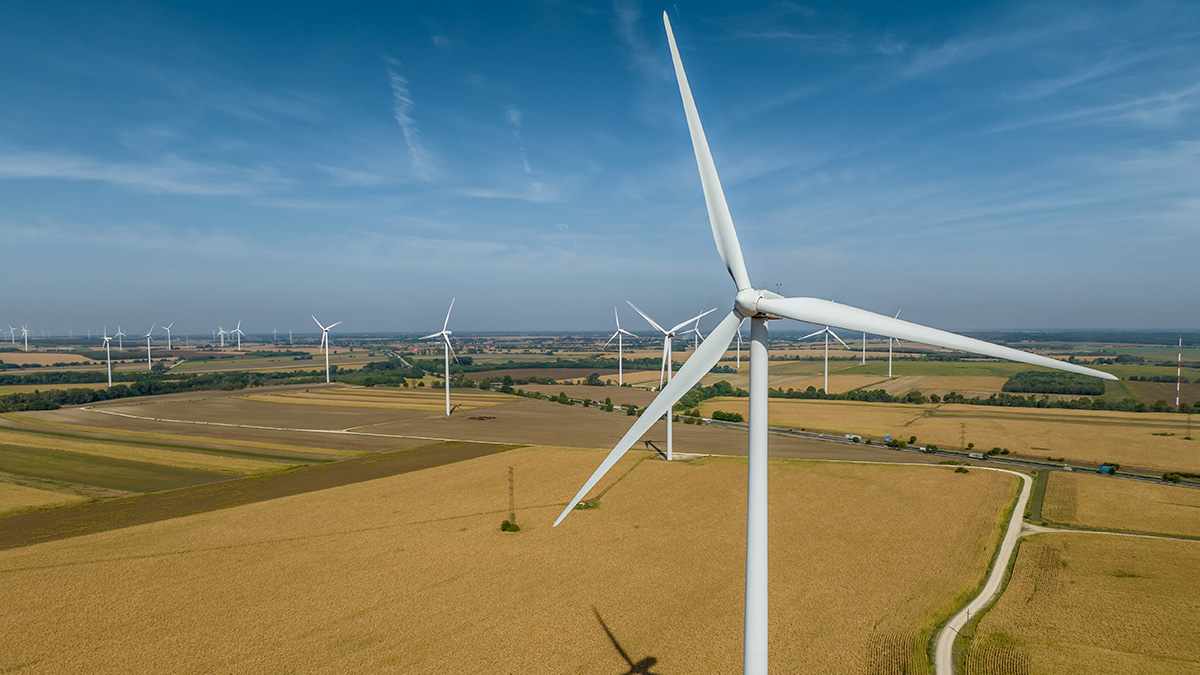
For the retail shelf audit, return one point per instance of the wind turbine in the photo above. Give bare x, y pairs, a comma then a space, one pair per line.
168, 329
324, 343
274, 335
620, 348
12, 335
290, 336
108, 353
25, 335
666, 365
761, 306
221, 333
119, 335
149, 360
238, 331
445, 335
890, 340
827, 333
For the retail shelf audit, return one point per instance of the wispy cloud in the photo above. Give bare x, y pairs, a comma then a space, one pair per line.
1156, 110
170, 174
513, 115
648, 62
537, 192
402, 107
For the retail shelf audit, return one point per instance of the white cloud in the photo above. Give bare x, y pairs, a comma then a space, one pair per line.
402, 107
170, 174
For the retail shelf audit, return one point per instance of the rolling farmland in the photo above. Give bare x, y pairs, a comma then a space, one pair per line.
1101, 502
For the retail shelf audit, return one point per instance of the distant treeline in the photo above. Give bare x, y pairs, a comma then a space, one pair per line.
149, 385
1120, 337
1047, 382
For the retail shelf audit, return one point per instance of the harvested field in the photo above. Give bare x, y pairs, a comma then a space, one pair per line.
553, 373
1131, 439
619, 395
875, 419
164, 456
1096, 501
1094, 604
105, 472
26, 388
14, 496
411, 573
43, 358
1152, 392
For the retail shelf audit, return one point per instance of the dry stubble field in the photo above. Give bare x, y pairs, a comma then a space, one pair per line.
1094, 604
1131, 439
1090, 500
411, 574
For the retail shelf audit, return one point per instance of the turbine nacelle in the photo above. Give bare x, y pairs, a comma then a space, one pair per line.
746, 303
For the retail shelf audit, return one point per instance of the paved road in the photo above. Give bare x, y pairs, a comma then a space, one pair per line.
944, 651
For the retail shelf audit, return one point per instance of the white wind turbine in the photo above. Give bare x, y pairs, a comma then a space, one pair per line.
108, 353
238, 331
12, 335
620, 347
274, 335
666, 364
324, 343
119, 335
827, 333
25, 335
761, 306
149, 359
168, 329
445, 335
890, 340
221, 333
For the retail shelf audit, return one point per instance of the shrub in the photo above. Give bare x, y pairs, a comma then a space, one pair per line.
912, 439
1172, 477
728, 416
958, 470
509, 526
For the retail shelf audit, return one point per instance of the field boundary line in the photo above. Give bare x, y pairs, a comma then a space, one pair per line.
1030, 529
306, 431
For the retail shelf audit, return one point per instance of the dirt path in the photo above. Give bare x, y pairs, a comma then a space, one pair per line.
944, 650
71, 521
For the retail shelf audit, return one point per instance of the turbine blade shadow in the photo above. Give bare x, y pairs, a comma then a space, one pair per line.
641, 667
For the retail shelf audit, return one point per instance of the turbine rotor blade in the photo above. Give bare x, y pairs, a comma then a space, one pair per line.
814, 310
614, 337
812, 335
702, 361
332, 325
432, 335
652, 323
447, 322
835, 337
694, 318
318, 322
718, 211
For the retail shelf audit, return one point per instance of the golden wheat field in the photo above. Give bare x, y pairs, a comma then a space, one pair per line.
43, 358
383, 398
15, 496
1095, 604
411, 573
1131, 439
1090, 500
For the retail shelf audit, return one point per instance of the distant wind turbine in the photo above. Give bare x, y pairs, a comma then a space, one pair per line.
324, 343
274, 335
620, 347
827, 333
668, 335
238, 331
108, 353
890, 340
445, 335
119, 335
761, 306
168, 329
149, 360
25, 335
221, 333
12, 335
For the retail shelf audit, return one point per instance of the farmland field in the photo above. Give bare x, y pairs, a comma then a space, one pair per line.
15, 496
1094, 604
1131, 439
411, 573
43, 358
1096, 501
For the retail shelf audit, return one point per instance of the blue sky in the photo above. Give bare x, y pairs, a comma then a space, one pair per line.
982, 166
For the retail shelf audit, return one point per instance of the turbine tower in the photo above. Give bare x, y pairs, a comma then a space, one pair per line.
274, 335
620, 348
108, 353
168, 329
324, 343
445, 335
25, 335
666, 365
890, 341
221, 333
149, 359
119, 335
761, 306
238, 331
827, 333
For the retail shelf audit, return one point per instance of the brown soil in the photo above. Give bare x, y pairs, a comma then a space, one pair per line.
71, 521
